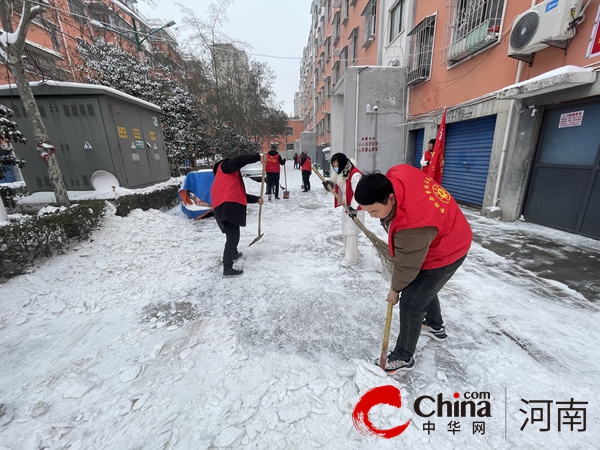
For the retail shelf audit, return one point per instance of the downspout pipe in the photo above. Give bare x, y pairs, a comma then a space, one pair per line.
512, 107
356, 113
511, 110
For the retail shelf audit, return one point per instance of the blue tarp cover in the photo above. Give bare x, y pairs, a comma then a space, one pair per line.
195, 194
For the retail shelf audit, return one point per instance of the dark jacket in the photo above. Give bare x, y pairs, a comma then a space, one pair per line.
231, 212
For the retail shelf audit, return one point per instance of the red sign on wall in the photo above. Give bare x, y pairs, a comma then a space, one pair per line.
594, 47
572, 119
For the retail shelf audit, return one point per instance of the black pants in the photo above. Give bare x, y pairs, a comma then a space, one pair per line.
420, 300
232, 235
273, 183
306, 179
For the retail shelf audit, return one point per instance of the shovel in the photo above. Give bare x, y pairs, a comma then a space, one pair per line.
262, 191
386, 336
286, 193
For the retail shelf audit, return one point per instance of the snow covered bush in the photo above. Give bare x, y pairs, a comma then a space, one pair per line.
22, 242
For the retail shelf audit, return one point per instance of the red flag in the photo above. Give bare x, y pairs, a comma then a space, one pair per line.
436, 166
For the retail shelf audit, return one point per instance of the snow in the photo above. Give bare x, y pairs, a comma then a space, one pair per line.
135, 340
92, 87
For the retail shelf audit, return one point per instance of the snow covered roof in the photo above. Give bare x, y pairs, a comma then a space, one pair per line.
554, 80
51, 87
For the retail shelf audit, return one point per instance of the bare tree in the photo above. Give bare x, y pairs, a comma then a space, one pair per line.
12, 47
236, 90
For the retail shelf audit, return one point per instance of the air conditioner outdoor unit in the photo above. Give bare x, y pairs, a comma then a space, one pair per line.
549, 23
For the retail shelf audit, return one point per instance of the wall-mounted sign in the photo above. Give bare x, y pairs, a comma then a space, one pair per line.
87, 146
155, 121
152, 136
136, 133
122, 132
368, 144
156, 156
572, 119
139, 143
594, 47
135, 156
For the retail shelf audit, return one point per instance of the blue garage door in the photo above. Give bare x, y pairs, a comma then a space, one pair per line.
419, 134
467, 158
564, 191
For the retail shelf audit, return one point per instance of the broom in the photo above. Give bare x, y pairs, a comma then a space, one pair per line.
380, 246
386, 261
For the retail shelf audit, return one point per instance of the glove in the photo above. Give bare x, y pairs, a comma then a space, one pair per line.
352, 212
327, 185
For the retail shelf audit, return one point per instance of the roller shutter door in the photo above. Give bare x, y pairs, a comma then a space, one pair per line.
467, 158
419, 147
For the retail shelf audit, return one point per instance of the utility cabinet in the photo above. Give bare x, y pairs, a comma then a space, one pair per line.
92, 128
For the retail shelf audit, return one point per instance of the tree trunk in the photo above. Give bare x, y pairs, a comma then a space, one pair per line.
44, 146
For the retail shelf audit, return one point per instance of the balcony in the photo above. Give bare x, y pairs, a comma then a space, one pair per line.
480, 37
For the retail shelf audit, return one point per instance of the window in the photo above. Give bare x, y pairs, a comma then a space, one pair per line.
344, 58
328, 49
475, 25
335, 73
421, 51
345, 9
354, 45
77, 9
289, 146
396, 19
335, 29
369, 22
327, 10
289, 131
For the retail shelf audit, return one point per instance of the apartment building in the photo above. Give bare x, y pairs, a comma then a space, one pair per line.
347, 99
51, 47
518, 79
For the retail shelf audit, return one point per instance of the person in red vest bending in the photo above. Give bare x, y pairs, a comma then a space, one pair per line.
345, 178
273, 169
426, 159
229, 200
428, 239
306, 167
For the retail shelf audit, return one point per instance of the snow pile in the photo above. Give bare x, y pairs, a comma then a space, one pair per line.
135, 340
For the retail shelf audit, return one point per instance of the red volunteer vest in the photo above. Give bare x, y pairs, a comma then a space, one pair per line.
307, 164
349, 191
421, 202
227, 187
428, 159
273, 163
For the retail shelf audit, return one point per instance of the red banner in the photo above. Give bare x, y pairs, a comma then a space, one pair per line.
436, 166
594, 47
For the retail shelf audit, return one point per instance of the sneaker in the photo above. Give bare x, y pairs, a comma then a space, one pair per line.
439, 335
237, 256
232, 272
393, 365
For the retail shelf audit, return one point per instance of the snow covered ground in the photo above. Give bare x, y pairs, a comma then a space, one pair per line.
134, 340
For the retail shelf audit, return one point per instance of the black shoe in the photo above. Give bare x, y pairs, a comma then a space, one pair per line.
437, 334
394, 365
276, 198
232, 272
237, 256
